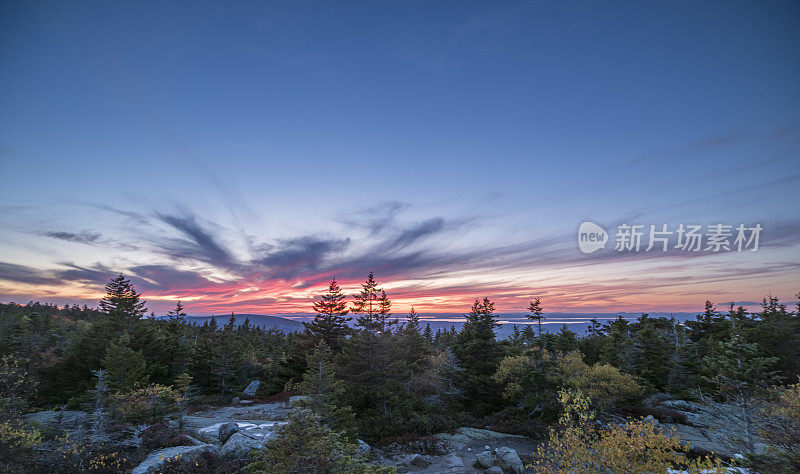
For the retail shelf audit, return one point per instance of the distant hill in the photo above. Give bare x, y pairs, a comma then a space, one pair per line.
577, 322
261, 320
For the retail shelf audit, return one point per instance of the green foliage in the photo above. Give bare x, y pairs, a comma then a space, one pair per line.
122, 303
738, 369
636, 446
782, 432
126, 368
604, 384
146, 405
330, 324
384, 379
306, 445
479, 354
326, 393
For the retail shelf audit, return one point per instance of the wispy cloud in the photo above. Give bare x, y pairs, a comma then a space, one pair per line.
199, 243
85, 237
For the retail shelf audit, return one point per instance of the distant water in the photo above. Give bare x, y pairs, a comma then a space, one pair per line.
577, 322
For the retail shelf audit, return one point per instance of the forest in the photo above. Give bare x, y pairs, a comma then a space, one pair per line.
359, 375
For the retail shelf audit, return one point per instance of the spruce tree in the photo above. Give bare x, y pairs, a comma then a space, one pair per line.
535, 314
743, 376
383, 323
366, 304
326, 393
122, 303
479, 354
125, 368
428, 333
177, 313
414, 348
330, 324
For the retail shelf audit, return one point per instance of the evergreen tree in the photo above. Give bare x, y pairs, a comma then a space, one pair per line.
706, 330
535, 314
382, 320
330, 324
177, 313
652, 350
125, 368
742, 376
565, 340
413, 348
326, 393
122, 303
479, 354
366, 304
428, 333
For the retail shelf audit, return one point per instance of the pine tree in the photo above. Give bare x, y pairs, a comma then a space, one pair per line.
382, 320
326, 393
535, 314
122, 303
330, 324
429, 333
125, 368
742, 376
479, 354
366, 304
414, 348
177, 313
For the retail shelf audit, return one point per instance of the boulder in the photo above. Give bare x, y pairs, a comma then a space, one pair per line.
509, 460
485, 460
452, 443
297, 400
494, 470
251, 389
156, 460
243, 441
418, 460
650, 419
363, 448
65, 419
226, 430
454, 463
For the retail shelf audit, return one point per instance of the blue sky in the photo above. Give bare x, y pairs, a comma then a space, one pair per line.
205, 148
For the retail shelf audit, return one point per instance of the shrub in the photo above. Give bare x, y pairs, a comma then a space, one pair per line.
306, 445
146, 405
604, 384
782, 417
636, 446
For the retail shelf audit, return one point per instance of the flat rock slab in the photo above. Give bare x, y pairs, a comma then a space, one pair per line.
264, 416
244, 441
156, 460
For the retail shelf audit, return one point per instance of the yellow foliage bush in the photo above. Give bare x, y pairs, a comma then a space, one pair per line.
604, 384
636, 446
147, 404
17, 437
782, 436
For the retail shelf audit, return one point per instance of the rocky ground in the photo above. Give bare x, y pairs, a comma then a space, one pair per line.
468, 450
246, 425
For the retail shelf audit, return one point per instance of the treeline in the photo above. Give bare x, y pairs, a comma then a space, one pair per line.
370, 375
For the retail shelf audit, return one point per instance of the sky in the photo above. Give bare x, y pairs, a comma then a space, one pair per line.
238, 155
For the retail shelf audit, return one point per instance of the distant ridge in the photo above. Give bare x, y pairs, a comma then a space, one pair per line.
577, 322
261, 320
